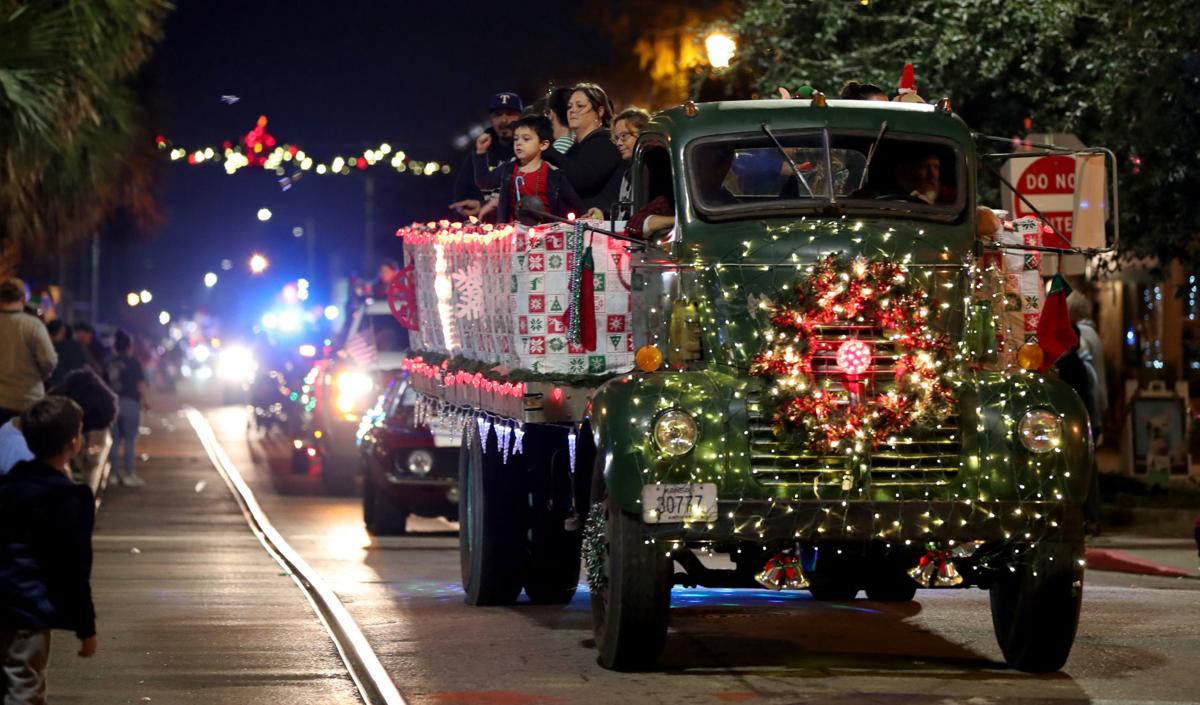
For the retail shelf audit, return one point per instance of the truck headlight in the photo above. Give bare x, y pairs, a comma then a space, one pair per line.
675, 432
1040, 431
419, 462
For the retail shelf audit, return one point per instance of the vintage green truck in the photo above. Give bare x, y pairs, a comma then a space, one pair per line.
819, 401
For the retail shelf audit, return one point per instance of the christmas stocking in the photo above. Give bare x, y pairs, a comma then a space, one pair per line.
1055, 334
587, 301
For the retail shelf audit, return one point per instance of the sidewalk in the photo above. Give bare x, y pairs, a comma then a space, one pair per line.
1173, 558
190, 607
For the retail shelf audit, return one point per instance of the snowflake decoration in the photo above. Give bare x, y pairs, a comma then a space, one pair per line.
468, 283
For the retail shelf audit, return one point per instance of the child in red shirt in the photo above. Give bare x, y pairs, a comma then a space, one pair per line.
526, 176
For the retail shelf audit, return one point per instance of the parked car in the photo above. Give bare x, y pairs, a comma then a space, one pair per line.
406, 468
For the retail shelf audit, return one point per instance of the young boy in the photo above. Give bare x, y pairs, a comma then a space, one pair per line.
45, 551
527, 175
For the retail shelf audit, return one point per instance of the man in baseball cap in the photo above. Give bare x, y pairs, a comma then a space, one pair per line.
503, 110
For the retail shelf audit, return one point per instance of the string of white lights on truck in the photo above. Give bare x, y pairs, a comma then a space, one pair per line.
1028, 385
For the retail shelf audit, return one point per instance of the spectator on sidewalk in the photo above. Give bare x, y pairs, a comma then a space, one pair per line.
27, 355
127, 378
84, 388
45, 551
71, 355
96, 354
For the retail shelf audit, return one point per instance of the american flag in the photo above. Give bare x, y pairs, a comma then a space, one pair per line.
361, 347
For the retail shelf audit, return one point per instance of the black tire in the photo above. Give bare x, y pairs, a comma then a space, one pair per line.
491, 519
552, 568
382, 516
1035, 608
891, 586
631, 610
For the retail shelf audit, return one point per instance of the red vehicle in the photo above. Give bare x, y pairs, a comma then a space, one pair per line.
406, 469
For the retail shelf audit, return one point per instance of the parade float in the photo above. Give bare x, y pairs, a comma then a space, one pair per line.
821, 378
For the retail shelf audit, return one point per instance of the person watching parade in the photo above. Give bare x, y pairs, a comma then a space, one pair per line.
528, 176
503, 110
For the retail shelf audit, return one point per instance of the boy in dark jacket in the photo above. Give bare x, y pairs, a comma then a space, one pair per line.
45, 551
526, 175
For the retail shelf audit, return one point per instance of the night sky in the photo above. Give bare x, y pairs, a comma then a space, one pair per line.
333, 78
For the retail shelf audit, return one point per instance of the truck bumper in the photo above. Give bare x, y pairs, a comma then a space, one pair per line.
917, 522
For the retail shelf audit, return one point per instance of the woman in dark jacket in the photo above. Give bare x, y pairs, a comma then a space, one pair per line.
593, 164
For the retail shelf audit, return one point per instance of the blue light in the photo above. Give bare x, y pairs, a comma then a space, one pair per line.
1130, 337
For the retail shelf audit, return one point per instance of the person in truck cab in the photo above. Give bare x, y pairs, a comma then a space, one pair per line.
919, 178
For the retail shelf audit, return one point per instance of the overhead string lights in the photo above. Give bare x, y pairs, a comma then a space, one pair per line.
259, 149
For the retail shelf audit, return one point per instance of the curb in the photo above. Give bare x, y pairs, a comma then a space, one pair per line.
1116, 561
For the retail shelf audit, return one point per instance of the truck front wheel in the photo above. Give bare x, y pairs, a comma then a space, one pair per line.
1035, 607
490, 544
631, 587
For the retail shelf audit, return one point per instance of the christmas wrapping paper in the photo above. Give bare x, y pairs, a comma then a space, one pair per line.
1014, 284
502, 295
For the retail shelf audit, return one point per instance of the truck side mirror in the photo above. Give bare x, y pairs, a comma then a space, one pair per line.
1090, 208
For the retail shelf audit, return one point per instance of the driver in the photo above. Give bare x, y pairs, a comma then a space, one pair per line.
920, 177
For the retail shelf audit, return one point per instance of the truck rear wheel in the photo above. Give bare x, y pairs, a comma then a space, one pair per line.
490, 541
891, 586
631, 606
552, 571
1035, 607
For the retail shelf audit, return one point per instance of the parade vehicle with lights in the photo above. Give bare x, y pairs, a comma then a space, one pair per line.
342, 385
407, 469
826, 393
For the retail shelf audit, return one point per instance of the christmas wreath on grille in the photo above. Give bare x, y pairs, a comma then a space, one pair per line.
863, 408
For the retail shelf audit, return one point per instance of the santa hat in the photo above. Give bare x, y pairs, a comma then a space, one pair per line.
908, 83
908, 87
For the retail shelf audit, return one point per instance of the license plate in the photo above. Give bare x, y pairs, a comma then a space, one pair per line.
671, 504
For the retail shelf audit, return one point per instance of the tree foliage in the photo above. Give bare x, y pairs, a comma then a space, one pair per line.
1119, 74
72, 131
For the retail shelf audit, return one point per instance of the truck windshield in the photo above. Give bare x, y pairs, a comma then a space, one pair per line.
743, 175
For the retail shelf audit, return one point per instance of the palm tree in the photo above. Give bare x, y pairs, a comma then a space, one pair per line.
70, 124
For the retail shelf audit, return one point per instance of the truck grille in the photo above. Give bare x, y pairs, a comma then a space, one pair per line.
922, 456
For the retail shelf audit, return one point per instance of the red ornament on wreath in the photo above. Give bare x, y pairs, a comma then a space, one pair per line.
859, 400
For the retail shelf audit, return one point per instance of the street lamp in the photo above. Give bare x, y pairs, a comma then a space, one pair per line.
264, 214
720, 48
145, 296
258, 263
210, 280
164, 318
132, 299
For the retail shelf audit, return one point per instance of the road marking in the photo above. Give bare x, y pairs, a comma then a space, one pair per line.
368, 674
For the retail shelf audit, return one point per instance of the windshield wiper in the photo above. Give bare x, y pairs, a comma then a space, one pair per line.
791, 162
871, 155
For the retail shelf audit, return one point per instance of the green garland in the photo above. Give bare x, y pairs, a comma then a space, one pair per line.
595, 548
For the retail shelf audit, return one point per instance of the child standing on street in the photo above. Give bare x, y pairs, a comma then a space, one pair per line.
127, 378
45, 551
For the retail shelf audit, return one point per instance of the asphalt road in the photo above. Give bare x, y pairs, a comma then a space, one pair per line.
1138, 642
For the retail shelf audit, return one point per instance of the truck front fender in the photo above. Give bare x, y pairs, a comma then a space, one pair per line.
622, 415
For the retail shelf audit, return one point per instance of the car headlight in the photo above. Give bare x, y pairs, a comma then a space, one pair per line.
675, 432
419, 462
352, 383
1040, 431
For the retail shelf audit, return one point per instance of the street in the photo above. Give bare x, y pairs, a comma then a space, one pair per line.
1138, 637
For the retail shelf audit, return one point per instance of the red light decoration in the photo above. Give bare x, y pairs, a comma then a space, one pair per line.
878, 293
854, 357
